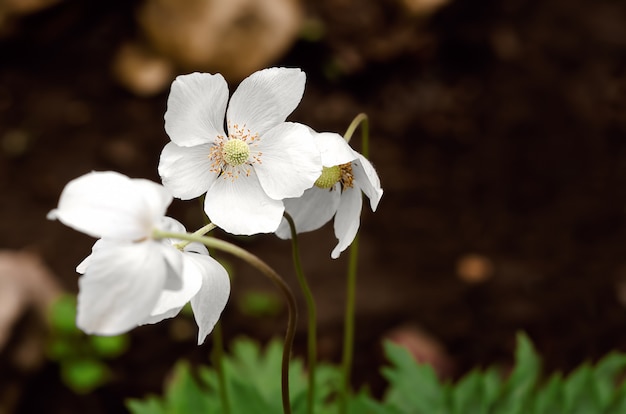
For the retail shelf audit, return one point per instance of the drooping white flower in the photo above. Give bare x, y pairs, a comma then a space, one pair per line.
337, 192
247, 172
128, 271
205, 284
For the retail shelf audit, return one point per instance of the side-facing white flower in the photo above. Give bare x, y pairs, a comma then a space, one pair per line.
128, 271
247, 172
205, 284
337, 192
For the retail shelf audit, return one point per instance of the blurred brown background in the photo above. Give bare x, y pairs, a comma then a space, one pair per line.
498, 129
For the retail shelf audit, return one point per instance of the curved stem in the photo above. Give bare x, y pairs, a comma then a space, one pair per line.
311, 312
217, 358
348, 339
200, 232
270, 274
360, 119
348, 333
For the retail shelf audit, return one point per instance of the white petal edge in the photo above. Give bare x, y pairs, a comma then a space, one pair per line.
195, 109
315, 208
291, 161
266, 98
110, 205
367, 179
240, 206
211, 299
186, 171
334, 150
170, 302
347, 219
120, 286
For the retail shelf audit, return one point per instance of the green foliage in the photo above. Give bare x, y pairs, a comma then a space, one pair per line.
252, 380
79, 356
260, 304
413, 388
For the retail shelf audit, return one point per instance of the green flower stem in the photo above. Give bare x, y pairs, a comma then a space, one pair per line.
217, 358
311, 313
270, 273
360, 119
348, 334
348, 331
200, 232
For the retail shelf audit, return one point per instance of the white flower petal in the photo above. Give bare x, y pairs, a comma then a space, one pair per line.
172, 301
347, 219
99, 244
366, 178
210, 301
111, 205
334, 149
121, 286
290, 161
195, 109
186, 171
311, 211
240, 206
172, 225
265, 99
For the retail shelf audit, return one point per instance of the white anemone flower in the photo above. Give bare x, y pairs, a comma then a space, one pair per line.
337, 192
206, 286
248, 171
128, 272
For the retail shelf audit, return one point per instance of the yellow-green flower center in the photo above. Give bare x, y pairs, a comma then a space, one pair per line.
235, 152
330, 176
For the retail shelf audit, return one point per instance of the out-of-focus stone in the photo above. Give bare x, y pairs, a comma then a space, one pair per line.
423, 7
25, 283
424, 348
11, 10
142, 70
232, 37
474, 268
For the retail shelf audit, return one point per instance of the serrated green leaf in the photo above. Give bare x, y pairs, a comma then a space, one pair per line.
605, 377
548, 398
184, 395
468, 395
150, 405
580, 393
412, 388
363, 403
517, 392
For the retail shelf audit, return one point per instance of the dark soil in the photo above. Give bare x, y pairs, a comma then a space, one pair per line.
497, 129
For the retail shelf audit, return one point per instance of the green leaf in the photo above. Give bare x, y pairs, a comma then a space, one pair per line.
84, 375
58, 349
549, 397
184, 395
517, 392
580, 393
109, 346
62, 315
413, 388
260, 304
151, 405
468, 395
363, 403
605, 376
